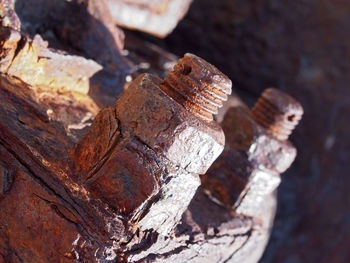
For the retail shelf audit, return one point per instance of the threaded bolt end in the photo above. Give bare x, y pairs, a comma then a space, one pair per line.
198, 86
278, 113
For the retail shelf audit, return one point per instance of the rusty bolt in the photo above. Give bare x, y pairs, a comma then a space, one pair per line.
198, 86
278, 113
174, 116
256, 152
156, 141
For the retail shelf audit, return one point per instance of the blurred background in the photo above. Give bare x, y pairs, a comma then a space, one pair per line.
303, 48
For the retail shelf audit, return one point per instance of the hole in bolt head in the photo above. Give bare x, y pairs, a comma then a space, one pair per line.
186, 69
291, 118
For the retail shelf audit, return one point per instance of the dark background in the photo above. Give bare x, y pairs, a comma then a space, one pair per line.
303, 48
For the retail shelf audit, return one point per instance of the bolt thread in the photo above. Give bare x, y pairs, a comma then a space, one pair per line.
198, 86
278, 113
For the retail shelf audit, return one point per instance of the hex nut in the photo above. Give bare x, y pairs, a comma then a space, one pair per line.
245, 134
166, 127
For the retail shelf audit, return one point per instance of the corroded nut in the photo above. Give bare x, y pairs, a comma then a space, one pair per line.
167, 127
128, 178
244, 134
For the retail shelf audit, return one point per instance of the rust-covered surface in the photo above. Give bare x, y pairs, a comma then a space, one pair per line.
35, 170
91, 225
32, 61
298, 47
82, 28
89, 177
155, 145
157, 17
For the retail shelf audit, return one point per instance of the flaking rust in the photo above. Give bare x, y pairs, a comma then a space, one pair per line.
230, 217
129, 191
256, 152
144, 160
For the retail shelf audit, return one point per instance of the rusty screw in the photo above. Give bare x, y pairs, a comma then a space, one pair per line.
278, 113
198, 86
